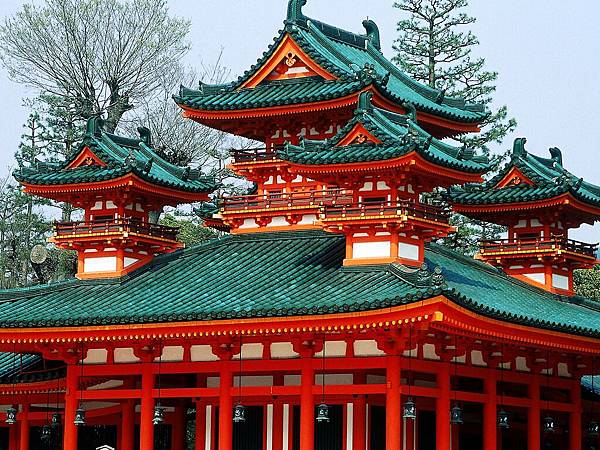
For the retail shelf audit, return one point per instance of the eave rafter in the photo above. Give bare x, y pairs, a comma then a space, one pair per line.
438, 313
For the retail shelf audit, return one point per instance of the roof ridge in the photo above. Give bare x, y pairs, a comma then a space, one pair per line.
437, 248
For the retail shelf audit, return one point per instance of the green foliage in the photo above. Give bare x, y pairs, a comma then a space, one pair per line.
22, 225
25, 220
191, 231
587, 283
87, 58
103, 57
433, 48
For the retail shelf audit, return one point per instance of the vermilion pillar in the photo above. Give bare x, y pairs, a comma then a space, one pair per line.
70, 430
533, 414
24, 428
490, 411
307, 405
277, 429
575, 416
277, 425
442, 407
225, 409
179, 419
359, 416
127, 424
147, 408
200, 432
393, 414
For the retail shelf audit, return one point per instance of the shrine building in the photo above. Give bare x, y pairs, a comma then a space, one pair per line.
325, 314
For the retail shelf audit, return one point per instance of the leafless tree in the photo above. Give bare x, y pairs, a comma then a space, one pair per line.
107, 55
183, 141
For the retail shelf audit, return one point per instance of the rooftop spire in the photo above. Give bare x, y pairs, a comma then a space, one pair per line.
372, 33
364, 101
294, 12
94, 126
519, 147
145, 135
556, 155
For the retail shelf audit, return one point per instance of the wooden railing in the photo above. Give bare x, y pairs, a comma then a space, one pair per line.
525, 245
317, 199
407, 208
253, 154
121, 225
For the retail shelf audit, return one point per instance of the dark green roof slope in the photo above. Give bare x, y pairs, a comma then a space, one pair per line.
399, 135
122, 156
301, 273
28, 368
549, 176
357, 62
591, 384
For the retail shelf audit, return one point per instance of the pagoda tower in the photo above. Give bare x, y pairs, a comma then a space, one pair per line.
122, 185
384, 162
310, 90
539, 201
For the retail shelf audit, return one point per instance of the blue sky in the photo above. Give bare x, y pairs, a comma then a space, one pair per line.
546, 52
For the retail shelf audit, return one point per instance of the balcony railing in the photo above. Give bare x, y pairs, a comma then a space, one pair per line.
401, 208
317, 199
254, 154
533, 245
121, 225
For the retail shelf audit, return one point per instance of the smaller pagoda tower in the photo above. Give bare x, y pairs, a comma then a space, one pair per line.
384, 163
539, 201
306, 87
122, 185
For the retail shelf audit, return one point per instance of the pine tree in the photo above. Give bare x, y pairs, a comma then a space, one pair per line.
587, 283
434, 48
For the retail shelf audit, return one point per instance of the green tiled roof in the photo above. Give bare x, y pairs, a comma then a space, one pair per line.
304, 90
550, 179
591, 384
27, 368
122, 156
399, 135
301, 273
357, 62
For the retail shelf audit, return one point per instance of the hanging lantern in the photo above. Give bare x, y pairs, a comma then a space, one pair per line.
549, 426
409, 409
46, 432
503, 419
56, 420
322, 413
11, 416
239, 413
79, 417
159, 415
593, 429
456, 415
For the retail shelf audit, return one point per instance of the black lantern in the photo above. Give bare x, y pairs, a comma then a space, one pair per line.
593, 429
159, 415
503, 419
56, 420
79, 417
322, 413
409, 409
11, 416
549, 426
46, 432
239, 413
456, 415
